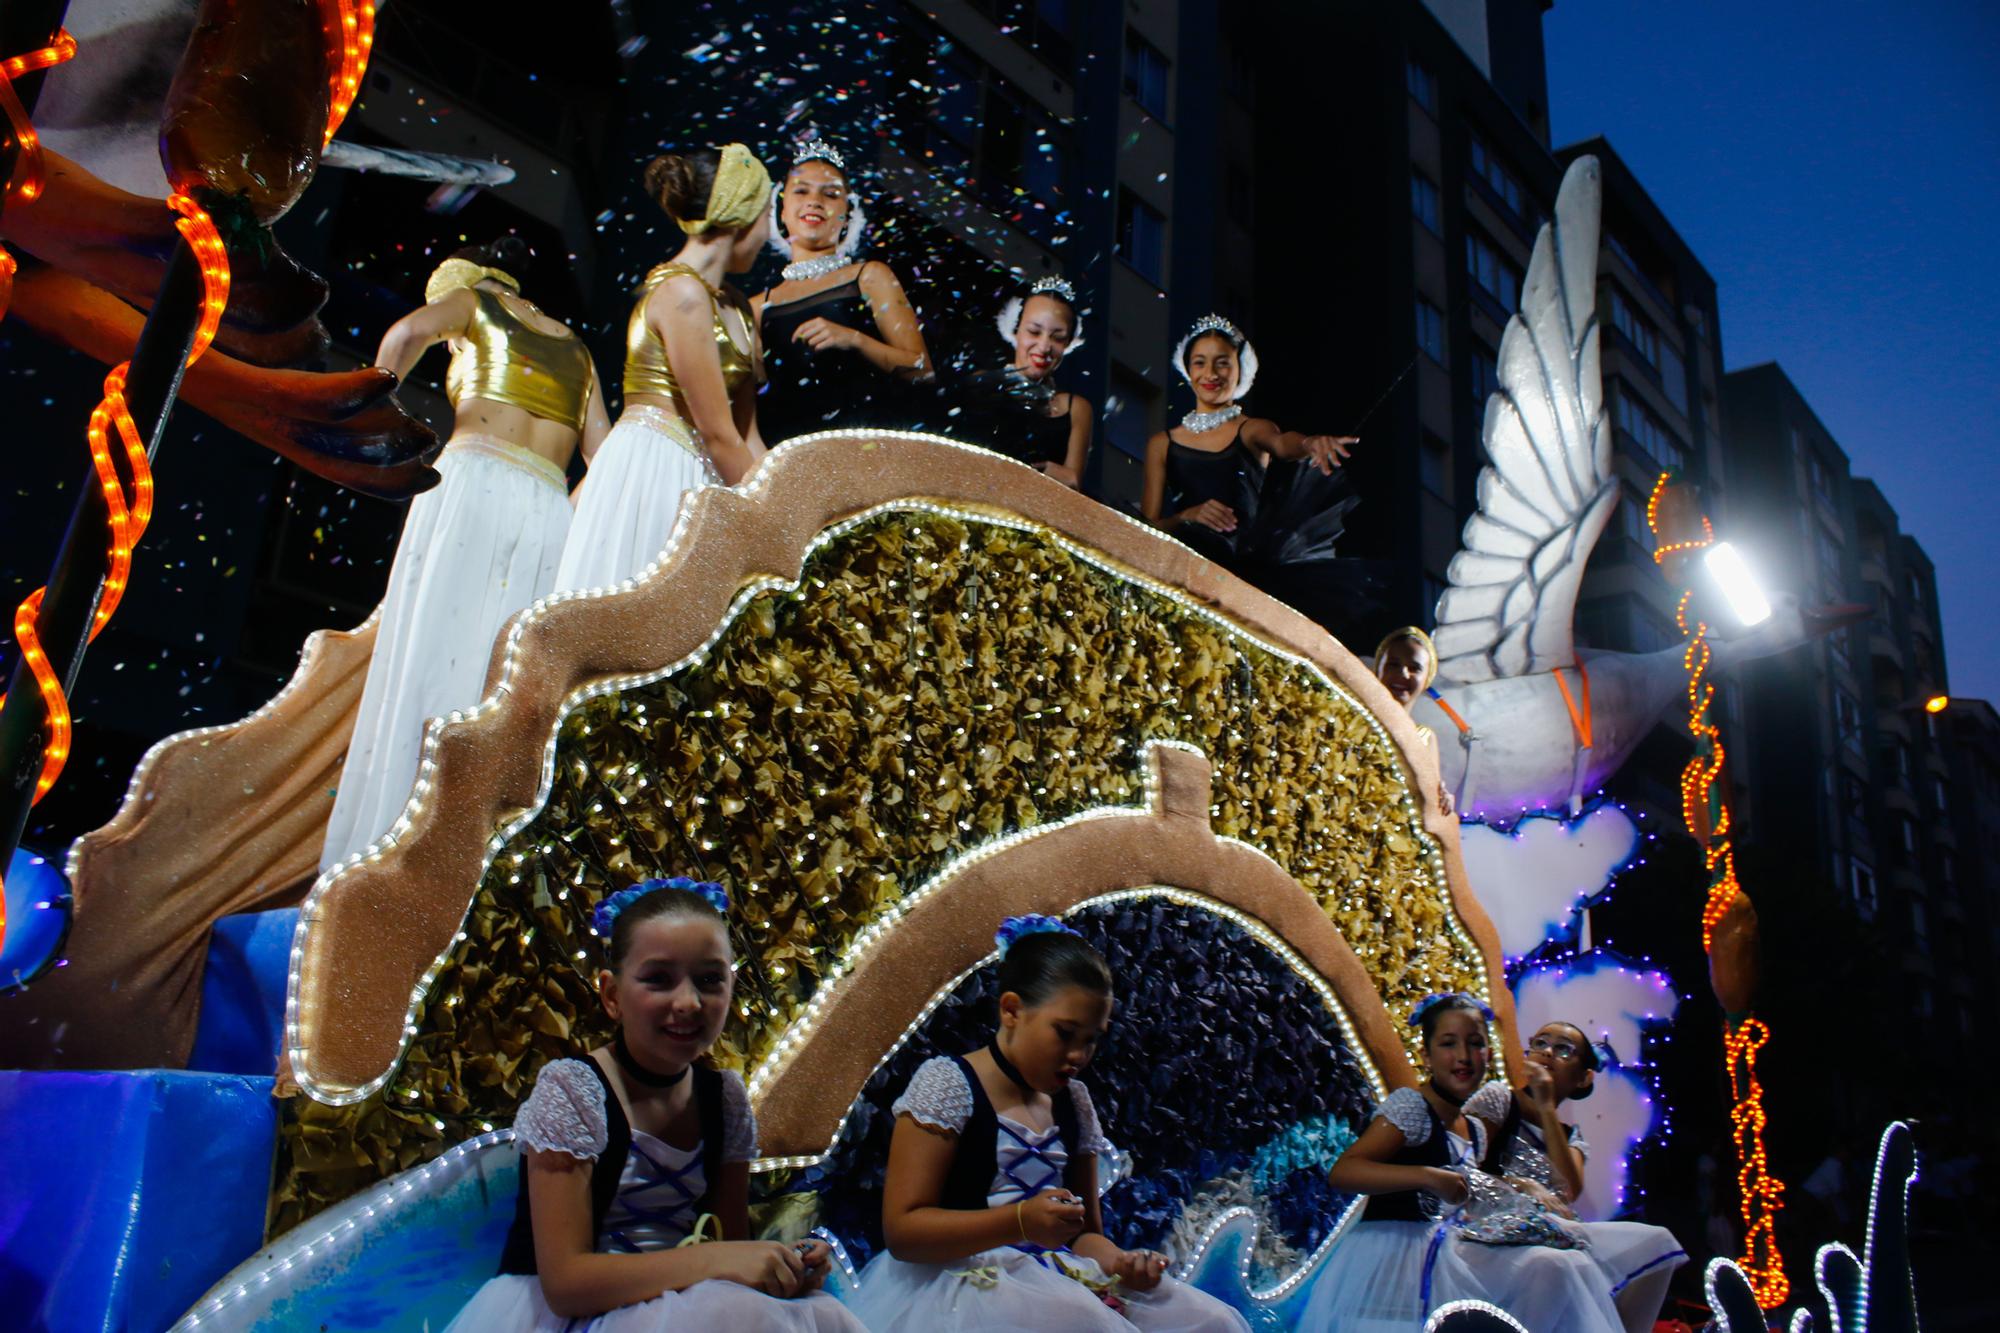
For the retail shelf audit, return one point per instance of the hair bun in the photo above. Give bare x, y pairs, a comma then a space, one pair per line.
676, 185
1017, 928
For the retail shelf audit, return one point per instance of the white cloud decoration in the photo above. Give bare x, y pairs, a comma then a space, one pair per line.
1531, 880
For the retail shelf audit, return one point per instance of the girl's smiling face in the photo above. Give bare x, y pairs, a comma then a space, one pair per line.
815, 206
671, 993
1457, 1054
1051, 1043
1042, 338
1213, 369
1402, 668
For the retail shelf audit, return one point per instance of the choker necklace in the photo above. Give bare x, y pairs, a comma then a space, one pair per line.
1006, 1066
637, 1072
807, 269
1197, 423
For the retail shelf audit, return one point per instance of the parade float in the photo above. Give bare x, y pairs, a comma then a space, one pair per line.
890, 690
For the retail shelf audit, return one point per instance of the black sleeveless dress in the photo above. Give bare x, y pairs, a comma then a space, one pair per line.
1288, 517
1005, 411
806, 391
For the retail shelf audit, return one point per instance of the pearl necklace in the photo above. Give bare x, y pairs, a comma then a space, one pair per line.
1197, 423
807, 269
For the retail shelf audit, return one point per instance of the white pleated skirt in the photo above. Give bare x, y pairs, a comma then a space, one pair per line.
476, 548
1008, 1291
627, 505
1386, 1277
515, 1305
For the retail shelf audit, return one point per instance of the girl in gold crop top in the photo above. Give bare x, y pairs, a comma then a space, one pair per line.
692, 365
485, 542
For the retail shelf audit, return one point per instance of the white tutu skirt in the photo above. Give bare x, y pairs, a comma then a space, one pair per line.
628, 502
515, 1305
1375, 1282
476, 548
1019, 1294
1638, 1261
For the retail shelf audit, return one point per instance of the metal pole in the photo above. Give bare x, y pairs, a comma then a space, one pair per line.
77, 579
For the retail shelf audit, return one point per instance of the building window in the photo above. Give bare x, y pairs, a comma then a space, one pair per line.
1485, 375
1940, 795
1907, 831
1920, 932
1854, 798
1504, 184
1434, 586
1947, 873
1828, 551
1430, 329
1128, 416
1142, 236
1145, 75
1822, 478
1434, 466
1492, 271
1423, 87
1638, 330
1862, 886
1847, 721
1632, 518
1917, 589
1660, 446
1424, 202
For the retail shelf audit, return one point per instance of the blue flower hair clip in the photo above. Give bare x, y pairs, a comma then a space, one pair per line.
1430, 1002
606, 915
1016, 928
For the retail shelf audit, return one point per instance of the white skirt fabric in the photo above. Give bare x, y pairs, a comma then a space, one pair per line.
1375, 1282
1639, 1262
515, 1305
627, 505
476, 548
1017, 1293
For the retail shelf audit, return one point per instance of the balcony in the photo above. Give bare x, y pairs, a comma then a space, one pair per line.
1874, 571
1881, 645
1896, 797
1891, 721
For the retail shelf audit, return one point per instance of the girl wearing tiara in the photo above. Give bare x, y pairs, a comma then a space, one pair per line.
629, 1153
1263, 502
838, 332
1018, 411
692, 366
1543, 1157
990, 1208
1410, 1252
485, 543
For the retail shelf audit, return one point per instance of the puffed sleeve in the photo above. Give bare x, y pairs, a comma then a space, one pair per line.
1405, 1109
1577, 1142
938, 1096
739, 1122
565, 1112
1490, 1102
1089, 1134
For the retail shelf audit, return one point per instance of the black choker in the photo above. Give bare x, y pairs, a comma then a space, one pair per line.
637, 1072
1006, 1067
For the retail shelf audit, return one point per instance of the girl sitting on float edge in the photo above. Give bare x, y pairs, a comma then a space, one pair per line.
1543, 1157
628, 1152
1411, 1252
990, 1208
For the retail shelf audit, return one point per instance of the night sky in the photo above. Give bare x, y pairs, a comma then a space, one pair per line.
1834, 166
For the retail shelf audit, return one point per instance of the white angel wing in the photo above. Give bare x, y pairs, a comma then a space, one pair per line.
1548, 490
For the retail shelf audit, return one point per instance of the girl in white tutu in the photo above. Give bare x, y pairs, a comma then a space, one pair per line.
483, 543
692, 365
1409, 1253
1543, 1157
989, 1209
628, 1152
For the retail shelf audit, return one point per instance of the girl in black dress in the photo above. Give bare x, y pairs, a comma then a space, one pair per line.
1017, 410
1264, 502
840, 338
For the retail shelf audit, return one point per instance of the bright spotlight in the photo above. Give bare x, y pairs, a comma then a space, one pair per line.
1738, 584
1937, 703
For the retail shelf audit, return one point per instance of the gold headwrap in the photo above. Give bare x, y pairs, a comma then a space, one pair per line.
453, 274
741, 191
1423, 639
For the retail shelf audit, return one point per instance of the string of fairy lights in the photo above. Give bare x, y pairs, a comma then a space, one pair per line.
1705, 810
349, 28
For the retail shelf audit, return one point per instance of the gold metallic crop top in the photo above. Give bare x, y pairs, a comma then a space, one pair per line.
646, 368
504, 360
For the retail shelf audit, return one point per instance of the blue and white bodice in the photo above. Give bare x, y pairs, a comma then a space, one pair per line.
660, 1184
1029, 1160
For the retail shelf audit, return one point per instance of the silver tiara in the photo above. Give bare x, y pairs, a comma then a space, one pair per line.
1053, 286
819, 150
1215, 324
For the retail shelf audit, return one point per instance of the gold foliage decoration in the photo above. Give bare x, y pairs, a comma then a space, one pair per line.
934, 682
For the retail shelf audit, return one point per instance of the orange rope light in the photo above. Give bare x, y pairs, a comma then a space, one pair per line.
28, 174
356, 21
1705, 809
